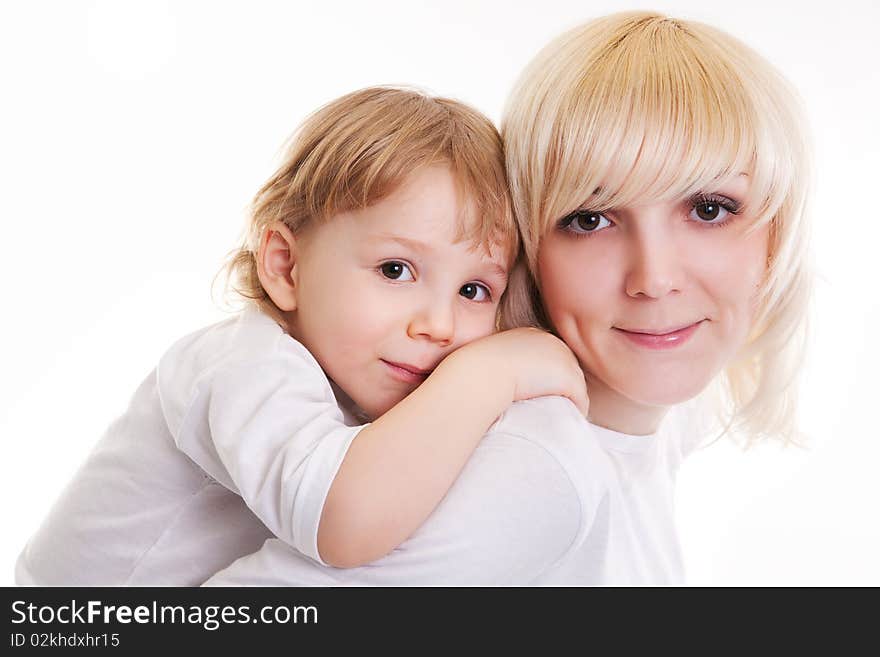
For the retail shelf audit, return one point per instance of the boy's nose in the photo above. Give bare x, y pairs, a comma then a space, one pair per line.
435, 322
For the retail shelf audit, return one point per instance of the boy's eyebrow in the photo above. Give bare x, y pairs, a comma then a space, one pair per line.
423, 247
415, 245
497, 269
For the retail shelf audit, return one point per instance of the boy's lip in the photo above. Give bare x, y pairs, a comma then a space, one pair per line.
407, 372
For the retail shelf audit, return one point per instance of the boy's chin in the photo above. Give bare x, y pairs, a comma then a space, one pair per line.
370, 409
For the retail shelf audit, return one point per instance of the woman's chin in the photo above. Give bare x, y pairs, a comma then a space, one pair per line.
655, 390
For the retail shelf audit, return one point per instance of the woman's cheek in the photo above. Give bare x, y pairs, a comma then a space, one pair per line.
577, 297
742, 269
557, 283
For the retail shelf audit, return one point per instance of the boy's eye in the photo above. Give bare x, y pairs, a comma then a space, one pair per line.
396, 271
475, 292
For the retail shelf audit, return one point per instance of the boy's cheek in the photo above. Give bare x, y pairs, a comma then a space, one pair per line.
368, 308
475, 330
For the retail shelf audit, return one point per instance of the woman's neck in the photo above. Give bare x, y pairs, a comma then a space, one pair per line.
612, 410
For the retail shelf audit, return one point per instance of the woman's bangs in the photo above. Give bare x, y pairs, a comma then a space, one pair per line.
661, 127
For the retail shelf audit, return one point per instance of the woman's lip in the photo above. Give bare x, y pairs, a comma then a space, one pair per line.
660, 339
406, 373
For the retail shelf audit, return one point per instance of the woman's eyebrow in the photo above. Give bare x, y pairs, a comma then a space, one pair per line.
595, 193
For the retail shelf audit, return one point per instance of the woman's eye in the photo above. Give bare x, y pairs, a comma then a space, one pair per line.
712, 211
396, 271
583, 221
475, 292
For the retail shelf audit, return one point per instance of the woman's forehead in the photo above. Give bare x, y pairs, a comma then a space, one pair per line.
733, 182
640, 188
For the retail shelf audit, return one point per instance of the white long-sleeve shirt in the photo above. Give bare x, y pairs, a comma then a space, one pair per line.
235, 437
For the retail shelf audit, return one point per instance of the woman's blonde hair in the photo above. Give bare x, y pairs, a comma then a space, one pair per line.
358, 149
641, 106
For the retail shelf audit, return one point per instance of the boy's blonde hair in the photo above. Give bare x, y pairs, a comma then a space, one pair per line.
358, 149
648, 107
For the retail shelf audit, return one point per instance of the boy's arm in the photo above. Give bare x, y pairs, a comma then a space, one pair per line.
272, 432
399, 468
510, 516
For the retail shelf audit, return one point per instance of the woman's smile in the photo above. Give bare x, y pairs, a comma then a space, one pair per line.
659, 338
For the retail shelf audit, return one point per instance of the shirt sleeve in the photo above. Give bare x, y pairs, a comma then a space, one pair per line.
511, 515
272, 432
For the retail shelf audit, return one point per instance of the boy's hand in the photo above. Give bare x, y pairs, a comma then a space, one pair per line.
533, 362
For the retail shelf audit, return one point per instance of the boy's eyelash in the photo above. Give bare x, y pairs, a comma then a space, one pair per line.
379, 268
489, 292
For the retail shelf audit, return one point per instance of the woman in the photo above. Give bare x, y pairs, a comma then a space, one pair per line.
659, 176
636, 111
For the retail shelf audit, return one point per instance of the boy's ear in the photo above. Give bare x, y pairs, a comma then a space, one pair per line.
276, 265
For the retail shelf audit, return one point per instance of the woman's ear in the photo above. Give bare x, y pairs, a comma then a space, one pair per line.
276, 265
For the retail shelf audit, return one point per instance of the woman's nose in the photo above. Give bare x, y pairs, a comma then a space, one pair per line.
655, 269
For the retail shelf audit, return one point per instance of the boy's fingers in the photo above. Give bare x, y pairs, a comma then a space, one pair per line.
585, 406
582, 401
585, 398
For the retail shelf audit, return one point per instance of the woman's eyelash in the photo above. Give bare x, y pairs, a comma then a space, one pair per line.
713, 205
733, 207
569, 219
700, 200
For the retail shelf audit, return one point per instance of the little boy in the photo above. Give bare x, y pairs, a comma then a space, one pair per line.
381, 246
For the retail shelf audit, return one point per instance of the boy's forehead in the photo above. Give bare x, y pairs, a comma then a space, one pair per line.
430, 210
425, 228
462, 256
492, 253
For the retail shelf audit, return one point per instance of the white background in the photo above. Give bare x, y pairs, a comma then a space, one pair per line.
133, 135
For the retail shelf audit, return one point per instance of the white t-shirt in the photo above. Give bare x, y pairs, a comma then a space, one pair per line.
546, 499
236, 415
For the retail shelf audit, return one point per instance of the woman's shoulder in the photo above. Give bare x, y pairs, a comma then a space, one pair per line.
532, 416
690, 426
550, 433
553, 424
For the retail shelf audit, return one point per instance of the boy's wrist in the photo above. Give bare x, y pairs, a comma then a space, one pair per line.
477, 366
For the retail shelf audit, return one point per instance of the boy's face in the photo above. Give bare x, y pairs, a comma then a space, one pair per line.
383, 294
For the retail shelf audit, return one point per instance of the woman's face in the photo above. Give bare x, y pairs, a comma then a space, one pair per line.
654, 299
